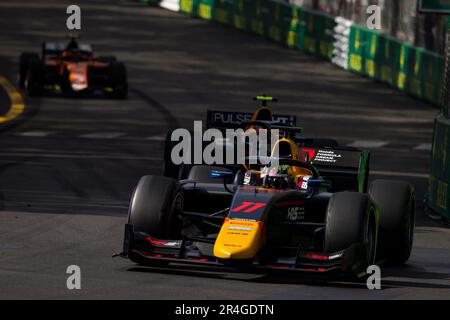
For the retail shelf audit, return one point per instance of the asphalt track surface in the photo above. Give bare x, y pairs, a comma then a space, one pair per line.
67, 172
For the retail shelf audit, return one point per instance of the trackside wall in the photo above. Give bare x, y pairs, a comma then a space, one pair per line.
438, 191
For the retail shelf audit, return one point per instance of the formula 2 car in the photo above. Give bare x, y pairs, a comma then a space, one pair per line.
314, 213
71, 68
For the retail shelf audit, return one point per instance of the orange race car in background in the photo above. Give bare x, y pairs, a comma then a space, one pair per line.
70, 68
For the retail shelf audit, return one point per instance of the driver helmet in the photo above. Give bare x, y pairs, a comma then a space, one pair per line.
73, 44
285, 176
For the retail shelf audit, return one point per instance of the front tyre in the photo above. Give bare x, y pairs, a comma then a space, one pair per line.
155, 208
396, 200
351, 220
34, 83
118, 77
26, 59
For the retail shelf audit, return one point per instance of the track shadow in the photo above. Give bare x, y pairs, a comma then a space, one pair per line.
391, 278
253, 276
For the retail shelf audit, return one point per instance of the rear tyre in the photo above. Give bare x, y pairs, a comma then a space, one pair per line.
34, 83
351, 219
396, 200
25, 61
119, 80
154, 208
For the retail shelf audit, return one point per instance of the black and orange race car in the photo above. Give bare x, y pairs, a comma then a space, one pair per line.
312, 211
71, 68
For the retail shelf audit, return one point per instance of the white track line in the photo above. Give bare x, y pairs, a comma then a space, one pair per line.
156, 138
424, 147
35, 133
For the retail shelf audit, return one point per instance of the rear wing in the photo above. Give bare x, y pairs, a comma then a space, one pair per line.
347, 168
57, 47
234, 120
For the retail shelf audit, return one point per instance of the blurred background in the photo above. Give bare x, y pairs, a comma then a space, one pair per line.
399, 19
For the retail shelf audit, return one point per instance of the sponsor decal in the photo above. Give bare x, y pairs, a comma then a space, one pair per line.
295, 214
327, 156
239, 228
303, 182
248, 206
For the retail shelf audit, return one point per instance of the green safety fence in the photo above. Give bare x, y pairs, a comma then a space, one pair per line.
389, 59
241, 16
223, 11
412, 70
438, 198
364, 49
189, 6
295, 28
405, 67
416, 73
286, 24
356, 55
256, 14
432, 76
319, 34
206, 9
283, 23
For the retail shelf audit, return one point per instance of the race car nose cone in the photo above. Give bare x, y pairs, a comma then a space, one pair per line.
238, 239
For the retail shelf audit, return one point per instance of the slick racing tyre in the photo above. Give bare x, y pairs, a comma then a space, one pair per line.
351, 219
25, 61
154, 206
118, 78
34, 83
396, 200
154, 209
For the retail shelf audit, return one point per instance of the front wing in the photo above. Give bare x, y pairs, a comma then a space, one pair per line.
145, 249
